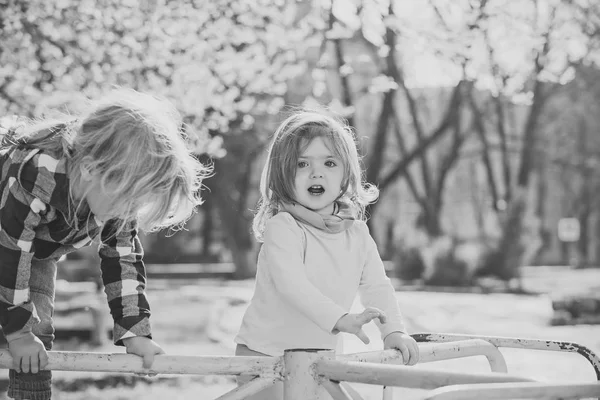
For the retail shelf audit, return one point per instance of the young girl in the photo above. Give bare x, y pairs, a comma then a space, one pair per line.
122, 167
317, 252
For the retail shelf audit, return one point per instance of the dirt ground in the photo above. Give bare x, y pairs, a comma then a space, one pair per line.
200, 318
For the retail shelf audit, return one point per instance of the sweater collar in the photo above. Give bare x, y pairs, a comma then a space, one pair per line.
339, 221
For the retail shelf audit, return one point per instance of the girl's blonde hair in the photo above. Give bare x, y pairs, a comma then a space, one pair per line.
291, 138
135, 144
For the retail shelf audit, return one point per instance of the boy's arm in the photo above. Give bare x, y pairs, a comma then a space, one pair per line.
376, 289
124, 278
283, 252
19, 218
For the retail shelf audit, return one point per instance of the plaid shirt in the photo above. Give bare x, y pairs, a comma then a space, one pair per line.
34, 207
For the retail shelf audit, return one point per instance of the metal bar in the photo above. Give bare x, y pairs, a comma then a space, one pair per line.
430, 352
401, 375
248, 389
466, 348
516, 391
300, 380
388, 393
338, 392
163, 364
530, 344
380, 356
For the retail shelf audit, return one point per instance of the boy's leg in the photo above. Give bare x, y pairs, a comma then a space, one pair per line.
41, 285
274, 392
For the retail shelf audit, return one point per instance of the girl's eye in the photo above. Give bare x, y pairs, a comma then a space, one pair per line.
330, 163
302, 164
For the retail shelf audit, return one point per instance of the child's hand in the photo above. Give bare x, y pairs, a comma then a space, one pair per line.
406, 344
143, 347
28, 353
352, 323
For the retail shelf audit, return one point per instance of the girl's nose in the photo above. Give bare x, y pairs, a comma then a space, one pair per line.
315, 173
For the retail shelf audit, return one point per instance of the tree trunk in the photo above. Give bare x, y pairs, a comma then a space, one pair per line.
208, 227
429, 220
237, 235
244, 258
544, 231
375, 160
583, 243
480, 128
390, 246
586, 195
512, 246
230, 185
597, 241
511, 249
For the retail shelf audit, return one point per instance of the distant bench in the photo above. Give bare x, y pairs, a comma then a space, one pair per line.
190, 271
71, 269
201, 270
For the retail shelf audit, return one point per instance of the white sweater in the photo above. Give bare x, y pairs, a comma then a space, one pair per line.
307, 280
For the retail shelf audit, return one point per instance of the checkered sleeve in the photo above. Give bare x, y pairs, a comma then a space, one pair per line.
19, 218
124, 277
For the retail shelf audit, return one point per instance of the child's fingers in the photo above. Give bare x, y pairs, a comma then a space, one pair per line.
43, 360
414, 353
25, 363
413, 359
370, 314
143, 375
17, 363
405, 354
35, 364
158, 352
147, 360
363, 336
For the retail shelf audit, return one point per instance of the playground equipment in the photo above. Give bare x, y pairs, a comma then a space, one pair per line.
317, 374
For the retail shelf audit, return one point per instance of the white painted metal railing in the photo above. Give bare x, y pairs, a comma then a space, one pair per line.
318, 374
516, 391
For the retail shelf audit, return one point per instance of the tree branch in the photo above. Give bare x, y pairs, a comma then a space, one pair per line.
424, 145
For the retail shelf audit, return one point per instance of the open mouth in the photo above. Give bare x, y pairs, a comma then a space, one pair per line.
316, 190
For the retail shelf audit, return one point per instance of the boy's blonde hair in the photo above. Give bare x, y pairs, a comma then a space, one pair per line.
291, 138
135, 144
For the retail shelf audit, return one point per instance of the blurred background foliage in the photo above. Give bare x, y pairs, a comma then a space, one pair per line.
477, 119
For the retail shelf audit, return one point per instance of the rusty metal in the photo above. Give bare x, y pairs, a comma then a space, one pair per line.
516, 343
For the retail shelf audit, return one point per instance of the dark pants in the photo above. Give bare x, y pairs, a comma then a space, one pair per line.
41, 285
